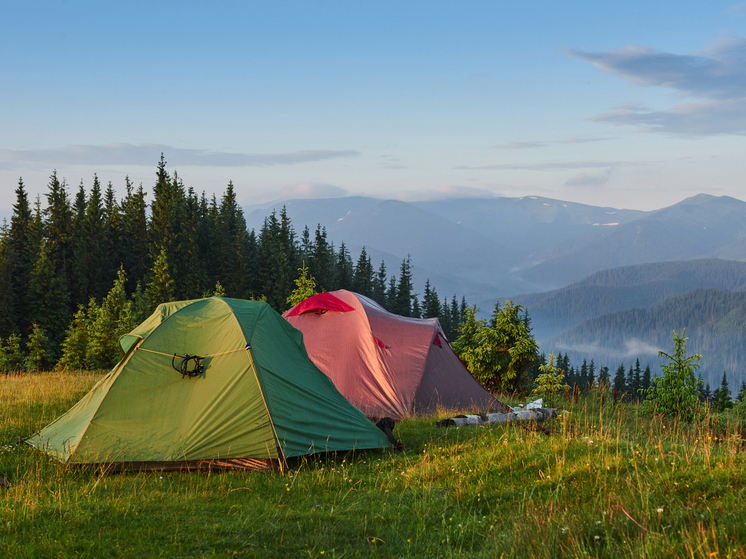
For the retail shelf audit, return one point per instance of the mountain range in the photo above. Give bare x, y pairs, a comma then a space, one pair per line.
573, 266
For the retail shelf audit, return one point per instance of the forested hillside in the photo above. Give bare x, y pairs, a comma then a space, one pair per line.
626, 287
715, 323
60, 259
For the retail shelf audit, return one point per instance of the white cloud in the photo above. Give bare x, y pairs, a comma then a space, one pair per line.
715, 77
149, 155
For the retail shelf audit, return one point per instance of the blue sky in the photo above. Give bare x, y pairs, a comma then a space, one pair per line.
633, 104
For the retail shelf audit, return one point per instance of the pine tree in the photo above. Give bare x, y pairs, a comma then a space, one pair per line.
620, 383
91, 255
604, 379
48, 300
12, 357
75, 346
363, 275
637, 378
112, 320
275, 265
344, 269
112, 228
161, 287
391, 294
646, 376
40, 356
583, 380
449, 329
7, 324
20, 257
135, 255
416, 310
455, 315
402, 302
707, 394
431, 304
305, 287
721, 398
379, 285
321, 264
59, 230
742, 393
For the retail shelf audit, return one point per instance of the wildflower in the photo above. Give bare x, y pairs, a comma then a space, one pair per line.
598, 537
660, 510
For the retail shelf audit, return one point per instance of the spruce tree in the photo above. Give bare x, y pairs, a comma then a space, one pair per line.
363, 274
48, 300
134, 251
402, 302
275, 266
19, 257
620, 383
430, 303
344, 268
391, 294
12, 357
40, 354
449, 329
379, 285
646, 378
75, 347
604, 378
7, 324
59, 231
321, 265
161, 287
305, 287
416, 310
721, 398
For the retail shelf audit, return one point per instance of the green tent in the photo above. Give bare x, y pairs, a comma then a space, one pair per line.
259, 399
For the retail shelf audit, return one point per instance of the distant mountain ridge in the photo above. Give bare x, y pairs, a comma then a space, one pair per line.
482, 248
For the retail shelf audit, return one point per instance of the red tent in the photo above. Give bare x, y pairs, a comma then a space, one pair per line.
385, 364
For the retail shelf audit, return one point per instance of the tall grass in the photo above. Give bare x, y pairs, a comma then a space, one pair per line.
599, 481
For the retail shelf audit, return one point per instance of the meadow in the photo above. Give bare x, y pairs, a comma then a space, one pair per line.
598, 481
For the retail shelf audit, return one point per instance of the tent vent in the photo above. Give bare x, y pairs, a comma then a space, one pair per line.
197, 368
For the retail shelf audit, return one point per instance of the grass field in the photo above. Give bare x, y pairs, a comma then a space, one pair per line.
600, 482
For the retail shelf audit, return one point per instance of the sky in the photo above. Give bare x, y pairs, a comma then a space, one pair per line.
623, 104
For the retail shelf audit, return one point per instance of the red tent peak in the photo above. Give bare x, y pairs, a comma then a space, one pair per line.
320, 303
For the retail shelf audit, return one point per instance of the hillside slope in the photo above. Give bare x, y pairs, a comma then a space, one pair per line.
624, 288
714, 320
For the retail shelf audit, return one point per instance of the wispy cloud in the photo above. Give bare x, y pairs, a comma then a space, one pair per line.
737, 9
521, 145
312, 190
149, 154
716, 76
590, 179
547, 166
444, 193
538, 144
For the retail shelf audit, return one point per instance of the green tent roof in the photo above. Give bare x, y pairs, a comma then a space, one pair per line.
260, 396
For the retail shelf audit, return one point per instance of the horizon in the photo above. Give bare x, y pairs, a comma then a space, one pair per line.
620, 105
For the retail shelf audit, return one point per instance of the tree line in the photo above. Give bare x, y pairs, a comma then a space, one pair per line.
82, 268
